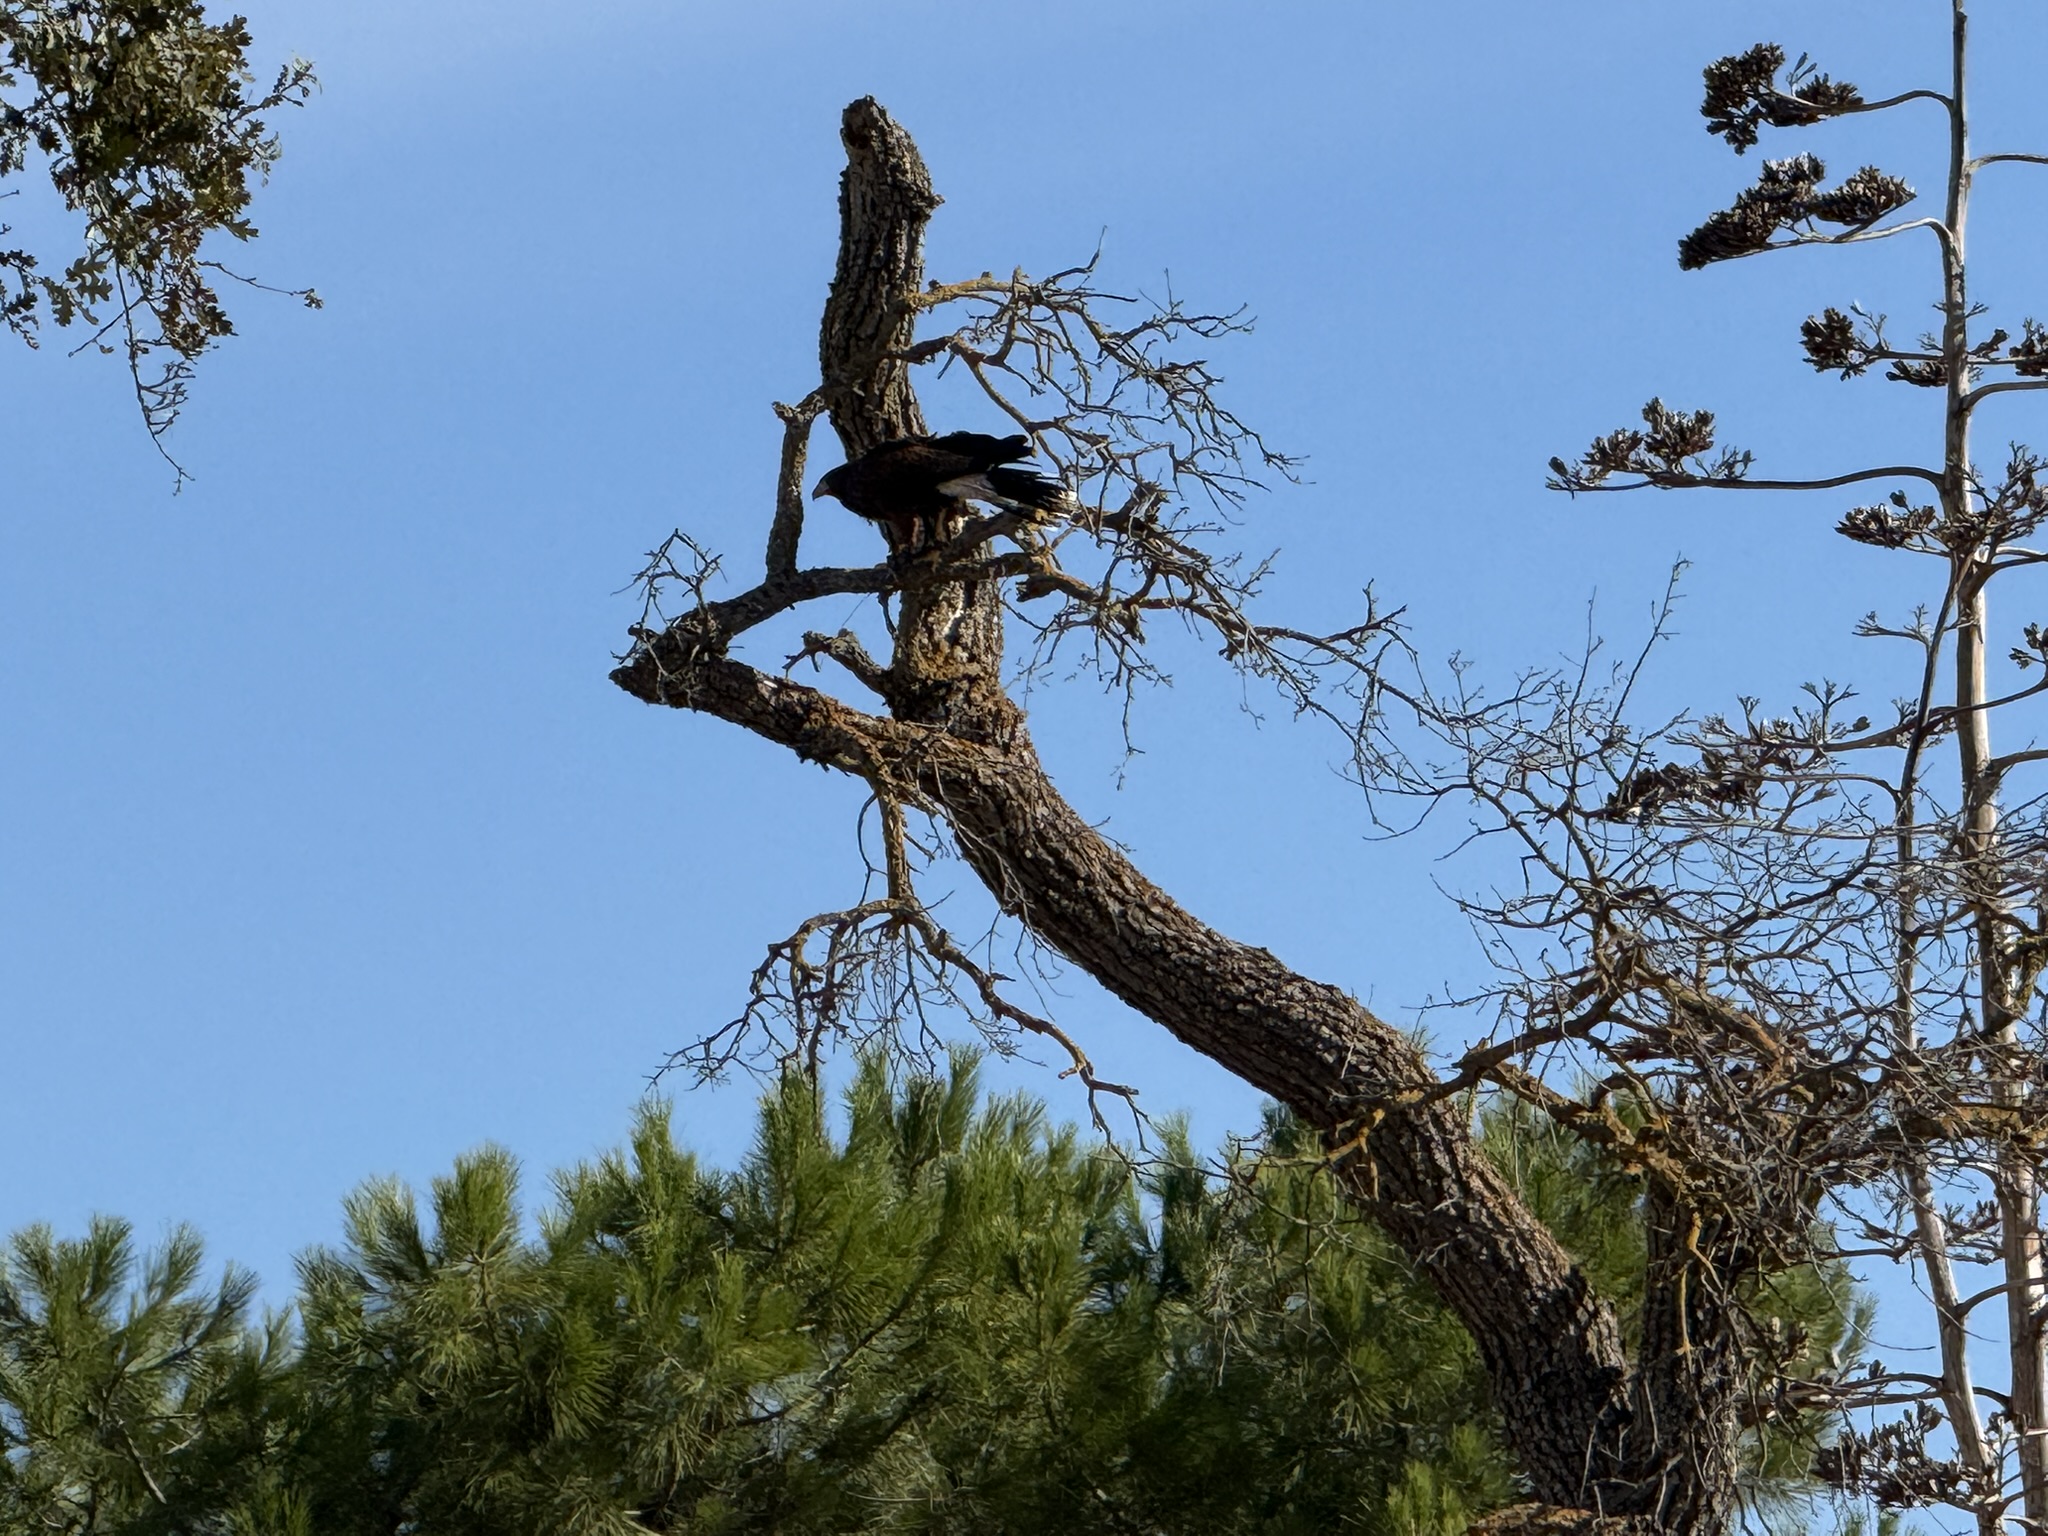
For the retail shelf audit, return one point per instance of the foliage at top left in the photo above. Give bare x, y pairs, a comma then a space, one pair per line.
149, 122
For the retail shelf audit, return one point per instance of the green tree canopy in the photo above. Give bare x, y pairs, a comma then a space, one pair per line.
952, 1316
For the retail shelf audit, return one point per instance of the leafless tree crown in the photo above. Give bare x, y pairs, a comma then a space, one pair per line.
1812, 938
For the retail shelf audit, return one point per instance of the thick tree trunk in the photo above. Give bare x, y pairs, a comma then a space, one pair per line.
885, 201
949, 635
1591, 1433
1691, 1371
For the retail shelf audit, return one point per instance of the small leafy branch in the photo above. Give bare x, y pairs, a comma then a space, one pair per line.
1743, 95
146, 117
1671, 451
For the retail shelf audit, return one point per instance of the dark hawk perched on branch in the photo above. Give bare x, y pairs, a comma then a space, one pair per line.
908, 485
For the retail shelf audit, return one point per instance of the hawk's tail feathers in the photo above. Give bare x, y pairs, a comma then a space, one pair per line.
1021, 488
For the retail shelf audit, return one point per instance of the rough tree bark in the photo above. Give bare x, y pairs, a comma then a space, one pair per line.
1652, 1445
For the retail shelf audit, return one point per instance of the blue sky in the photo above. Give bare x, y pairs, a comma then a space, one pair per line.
326, 848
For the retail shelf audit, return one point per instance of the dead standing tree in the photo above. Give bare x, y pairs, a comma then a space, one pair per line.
1143, 442
1807, 946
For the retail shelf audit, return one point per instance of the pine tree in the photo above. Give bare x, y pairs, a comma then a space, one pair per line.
133, 1402
949, 1317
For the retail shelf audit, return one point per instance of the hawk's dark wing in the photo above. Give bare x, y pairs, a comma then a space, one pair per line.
913, 481
983, 451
